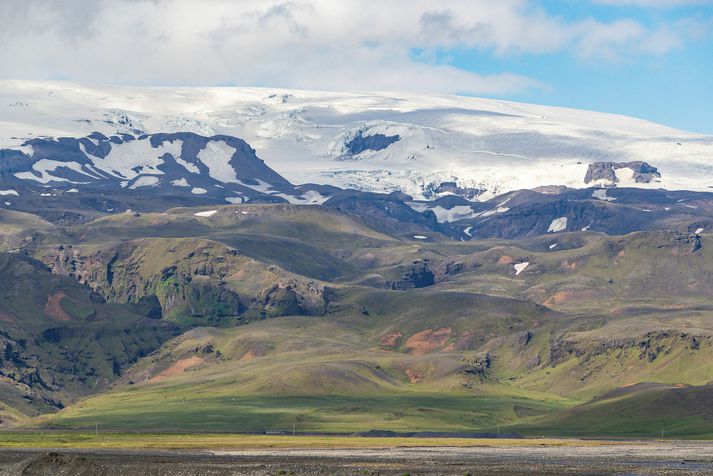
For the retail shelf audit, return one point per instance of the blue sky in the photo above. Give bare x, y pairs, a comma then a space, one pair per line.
646, 58
674, 88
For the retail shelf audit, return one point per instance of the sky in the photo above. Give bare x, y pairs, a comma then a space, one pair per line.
645, 58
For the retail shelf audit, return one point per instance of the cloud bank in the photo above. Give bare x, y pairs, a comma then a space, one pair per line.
314, 44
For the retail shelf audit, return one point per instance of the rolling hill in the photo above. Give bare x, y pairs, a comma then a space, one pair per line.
396, 262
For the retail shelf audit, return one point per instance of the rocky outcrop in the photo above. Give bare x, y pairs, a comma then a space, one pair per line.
191, 289
416, 275
478, 366
680, 244
293, 297
606, 172
374, 142
453, 187
650, 346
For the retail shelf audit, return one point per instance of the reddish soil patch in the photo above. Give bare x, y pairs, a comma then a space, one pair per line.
178, 368
569, 266
621, 254
557, 298
248, 356
561, 297
413, 376
505, 259
392, 339
53, 308
428, 340
7, 317
466, 342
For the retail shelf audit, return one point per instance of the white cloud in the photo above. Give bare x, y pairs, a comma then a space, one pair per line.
654, 3
320, 44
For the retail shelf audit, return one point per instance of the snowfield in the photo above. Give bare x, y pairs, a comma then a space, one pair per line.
367, 141
558, 224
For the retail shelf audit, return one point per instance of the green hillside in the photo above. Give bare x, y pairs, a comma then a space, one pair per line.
264, 316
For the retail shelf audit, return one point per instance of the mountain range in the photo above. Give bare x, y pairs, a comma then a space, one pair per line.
248, 259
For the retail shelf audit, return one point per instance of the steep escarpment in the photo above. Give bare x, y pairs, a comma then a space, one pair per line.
195, 281
59, 340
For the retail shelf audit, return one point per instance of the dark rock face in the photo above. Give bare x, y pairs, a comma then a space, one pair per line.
452, 187
386, 213
643, 172
679, 243
530, 214
418, 275
375, 142
650, 346
293, 298
60, 340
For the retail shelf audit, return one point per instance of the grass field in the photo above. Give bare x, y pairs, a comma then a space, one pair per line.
337, 414
50, 439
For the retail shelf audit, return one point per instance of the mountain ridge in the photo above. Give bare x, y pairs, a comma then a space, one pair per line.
489, 146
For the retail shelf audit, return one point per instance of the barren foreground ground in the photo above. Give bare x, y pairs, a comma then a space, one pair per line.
651, 458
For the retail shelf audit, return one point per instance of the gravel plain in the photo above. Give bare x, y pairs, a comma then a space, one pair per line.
627, 458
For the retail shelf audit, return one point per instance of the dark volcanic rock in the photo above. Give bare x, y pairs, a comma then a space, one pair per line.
57, 464
453, 187
643, 172
375, 142
418, 275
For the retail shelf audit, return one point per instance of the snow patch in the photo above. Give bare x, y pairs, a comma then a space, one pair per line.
468, 231
180, 183
236, 200
699, 231
192, 168
206, 214
311, 197
420, 237
601, 194
520, 267
45, 166
130, 159
490, 213
9, 192
144, 181
216, 156
553, 246
558, 224
459, 212
198, 191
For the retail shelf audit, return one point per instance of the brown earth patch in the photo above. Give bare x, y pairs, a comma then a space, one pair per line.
179, 367
505, 259
53, 308
465, 342
558, 298
561, 297
413, 376
621, 254
249, 355
7, 317
428, 340
567, 266
392, 339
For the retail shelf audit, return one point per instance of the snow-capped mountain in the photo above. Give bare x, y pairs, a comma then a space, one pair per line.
426, 146
171, 164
